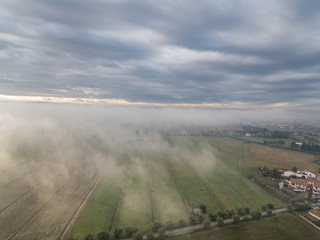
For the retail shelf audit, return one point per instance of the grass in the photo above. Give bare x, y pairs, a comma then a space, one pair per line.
134, 208
168, 205
281, 227
258, 155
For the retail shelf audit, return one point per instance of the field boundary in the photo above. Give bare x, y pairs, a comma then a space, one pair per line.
206, 186
76, 214
184, 199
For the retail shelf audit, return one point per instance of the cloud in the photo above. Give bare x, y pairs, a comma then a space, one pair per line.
261, 52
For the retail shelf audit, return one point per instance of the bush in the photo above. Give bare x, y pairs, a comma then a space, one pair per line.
182, 223
212, 217
247, 210
256, 215
192, 220
130, 231
156, 227
236, 219
297, 199
269, 212
200, 219
169, 225
302, 206
290, 207
89, 237
103, 236
220, 221
206, 224
270, 206
162, 233
203, 207
137, 236
150, 236
117, 232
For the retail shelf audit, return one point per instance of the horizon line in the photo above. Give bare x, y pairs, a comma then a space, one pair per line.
121, 102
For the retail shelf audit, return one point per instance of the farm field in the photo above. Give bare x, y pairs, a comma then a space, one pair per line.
162, 182
39, 199
258, 155
282, 226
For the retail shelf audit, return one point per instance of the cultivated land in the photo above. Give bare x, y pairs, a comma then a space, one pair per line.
284, 226
38, 199
258, 155
162, 181
143, 183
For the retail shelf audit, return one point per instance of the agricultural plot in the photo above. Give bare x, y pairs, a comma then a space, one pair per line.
41, 203
282, 227
168, 203
260, 156
163, 182
99, 211
134, 205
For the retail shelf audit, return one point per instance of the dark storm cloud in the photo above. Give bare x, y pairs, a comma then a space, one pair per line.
260, 52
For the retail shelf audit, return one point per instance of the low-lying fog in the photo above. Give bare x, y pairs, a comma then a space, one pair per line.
31, 130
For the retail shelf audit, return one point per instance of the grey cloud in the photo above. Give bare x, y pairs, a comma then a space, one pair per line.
56, 47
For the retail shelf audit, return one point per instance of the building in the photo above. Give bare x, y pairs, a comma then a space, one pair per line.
197, 211
303, 185
298, 174
313, 215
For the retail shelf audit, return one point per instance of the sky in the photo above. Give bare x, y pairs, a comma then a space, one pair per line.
215, 53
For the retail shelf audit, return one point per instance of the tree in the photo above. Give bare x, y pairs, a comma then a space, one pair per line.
270, 206
220, 221
130, 231
310, 194
294, 169
206, 224
200, 219
263, 207
150, 236
256, 214
162, 233
117, 232
169, 225
290, 207
137, 236
156, 227
212, 217
247, 210
269, 212
103, 236
203, 207
89, 237
236, 219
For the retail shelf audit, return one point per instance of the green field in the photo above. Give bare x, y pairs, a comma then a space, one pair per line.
284, 226
161, 181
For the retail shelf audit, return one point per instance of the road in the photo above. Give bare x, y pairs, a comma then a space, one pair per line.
190, 229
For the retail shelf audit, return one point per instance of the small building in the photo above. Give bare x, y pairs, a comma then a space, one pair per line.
197, 211
313, 215
309, 174
248, 135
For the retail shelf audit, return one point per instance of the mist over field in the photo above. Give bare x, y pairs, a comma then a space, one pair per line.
41, 128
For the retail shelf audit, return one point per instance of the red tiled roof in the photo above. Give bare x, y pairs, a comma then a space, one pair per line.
298, 181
